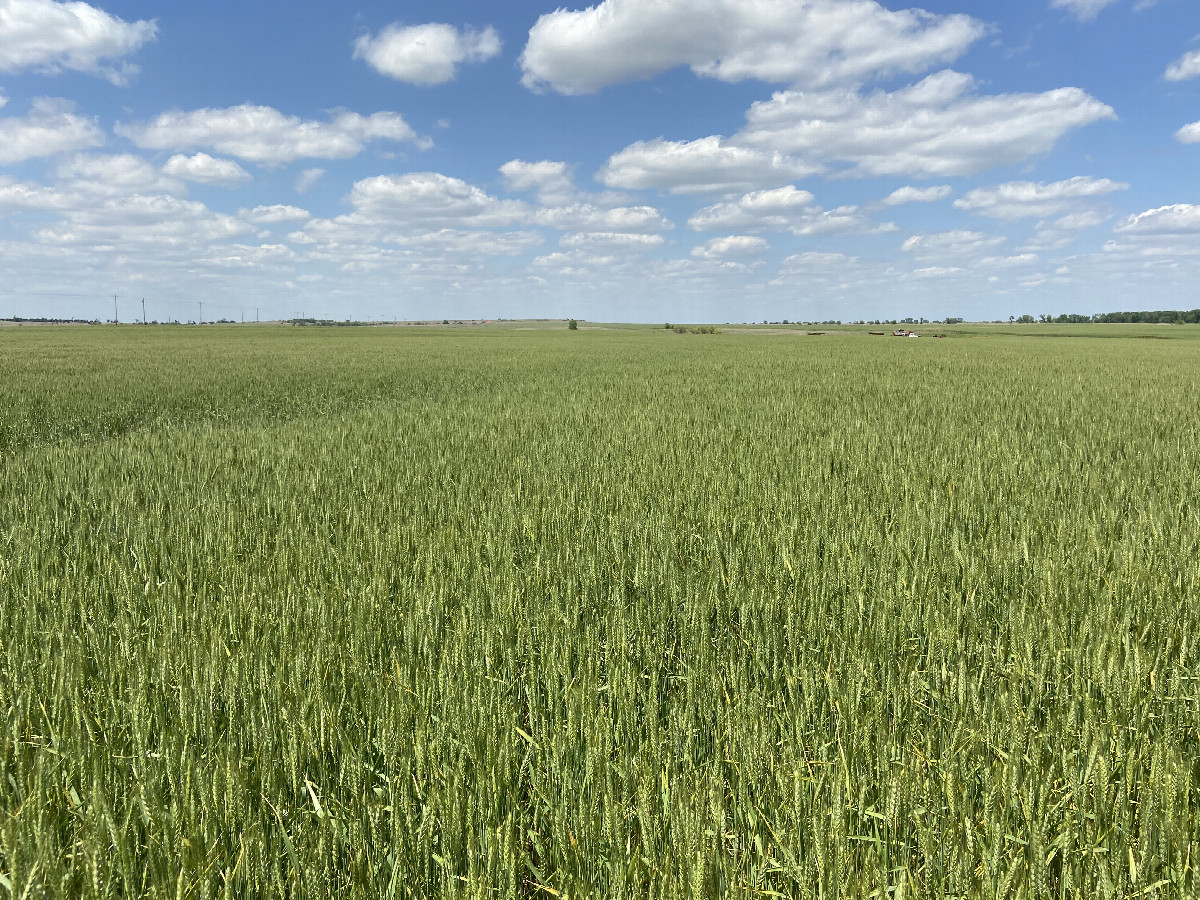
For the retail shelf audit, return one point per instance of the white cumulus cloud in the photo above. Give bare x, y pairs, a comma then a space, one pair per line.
275, 214
16, 196
115, 174
550, 179
1010, 262
425, 54
709, 164
205, 169
86, 182
144, 221
263, 134
1179, 218
431, 200
936, 127
1028, 199
612, 241
572, 262
732, 245
957, 243
937, 271
910, 194
1187, 66
1189, 134
51, 127
782, 209
778, 208
22, 196
589, 217
812, 43
49, 36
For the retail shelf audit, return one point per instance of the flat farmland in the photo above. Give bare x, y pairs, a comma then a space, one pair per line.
611, 613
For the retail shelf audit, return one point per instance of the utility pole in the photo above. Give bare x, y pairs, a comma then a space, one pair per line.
116, 321
256, 314
201, 312
143, 310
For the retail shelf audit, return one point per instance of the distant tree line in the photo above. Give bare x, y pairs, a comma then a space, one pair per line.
1152, 317
1158, 317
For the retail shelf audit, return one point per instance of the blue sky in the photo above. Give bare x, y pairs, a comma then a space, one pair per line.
639, 160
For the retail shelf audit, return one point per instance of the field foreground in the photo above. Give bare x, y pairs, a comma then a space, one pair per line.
606, 613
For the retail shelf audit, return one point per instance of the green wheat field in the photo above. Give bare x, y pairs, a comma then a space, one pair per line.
609, 613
